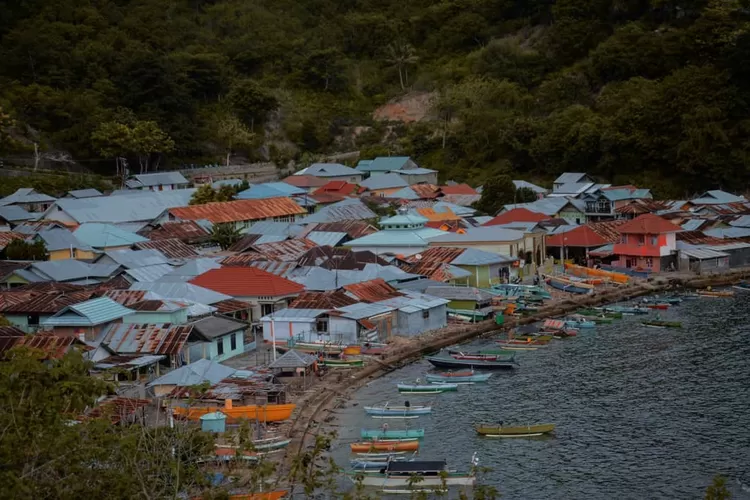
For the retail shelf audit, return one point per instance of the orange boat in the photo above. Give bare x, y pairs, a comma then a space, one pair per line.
385, 446
271, 495
263, 413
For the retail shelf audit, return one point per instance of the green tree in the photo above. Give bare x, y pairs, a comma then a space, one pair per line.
525, 195
21, 250
251, 102
6, 124
718, 489
401, 55
231, 133
497, 192
204, 194
225, 235
225, 193
146, 139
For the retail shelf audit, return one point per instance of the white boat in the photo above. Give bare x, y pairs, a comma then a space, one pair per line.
432, 475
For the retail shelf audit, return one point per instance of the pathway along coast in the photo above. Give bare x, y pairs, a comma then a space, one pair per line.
315, 409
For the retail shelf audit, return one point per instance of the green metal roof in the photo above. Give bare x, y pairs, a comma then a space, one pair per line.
89, 313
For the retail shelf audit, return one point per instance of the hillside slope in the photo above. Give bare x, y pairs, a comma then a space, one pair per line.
649, 91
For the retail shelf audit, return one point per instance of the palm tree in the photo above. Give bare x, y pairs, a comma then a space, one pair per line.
225, 235
402, 55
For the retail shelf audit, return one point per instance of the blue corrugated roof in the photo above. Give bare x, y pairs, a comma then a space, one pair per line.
520, 184
89, 313
397, 237
60, 239
474, 257
406, 193
716, 196
326, 238
269, 190
106, 236
328, 170
383, 164
203, 370
384, 181
138, 206
85, 193
14, 213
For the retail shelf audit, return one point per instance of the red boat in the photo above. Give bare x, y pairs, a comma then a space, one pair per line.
658, 306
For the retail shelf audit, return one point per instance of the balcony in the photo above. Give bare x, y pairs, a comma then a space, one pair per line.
598, 209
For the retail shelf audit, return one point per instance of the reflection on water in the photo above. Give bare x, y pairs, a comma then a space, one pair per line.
640, 412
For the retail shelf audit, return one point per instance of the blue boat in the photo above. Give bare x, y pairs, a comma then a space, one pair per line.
458, 378
743, 285
569, 286
376, 464
628, 310
387, 411
572, 323
510, 290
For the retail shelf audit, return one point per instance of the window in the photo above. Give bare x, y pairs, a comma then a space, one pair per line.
322, 326
649, 262
654, 240
220, 347
641, 240
266, 309
426, 313
233, 341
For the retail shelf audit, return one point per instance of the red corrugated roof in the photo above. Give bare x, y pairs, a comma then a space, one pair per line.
699, 238
458, 189
239, 210
8, 236
437, 254
648, 224
117, 408
373, 290
326, 197
53, 346
582, 236
426, 191
246, 282
231, 306
342, 188
304, 181
516, 215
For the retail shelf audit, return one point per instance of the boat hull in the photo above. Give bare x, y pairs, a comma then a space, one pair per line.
391, 434
441, 379
476, 365
267, 413
422, 484
384, 446
343, 363
567, 286
662, 324
515, 431
426, 389
397, 411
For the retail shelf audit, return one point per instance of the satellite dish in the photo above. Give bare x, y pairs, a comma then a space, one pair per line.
418, 256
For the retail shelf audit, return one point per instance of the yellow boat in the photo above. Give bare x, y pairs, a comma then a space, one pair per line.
514, 430
262, 413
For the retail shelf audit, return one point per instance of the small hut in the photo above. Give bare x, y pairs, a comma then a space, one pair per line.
294, 364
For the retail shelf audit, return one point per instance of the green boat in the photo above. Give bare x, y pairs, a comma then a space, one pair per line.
343, 363
600, 312
380, 434
662, 324
600, 320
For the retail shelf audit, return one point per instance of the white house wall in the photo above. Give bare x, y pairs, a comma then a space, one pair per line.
343, 329
284, 330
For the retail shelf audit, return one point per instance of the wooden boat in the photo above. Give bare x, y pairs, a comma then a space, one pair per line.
328, 348
515, 430
385, 446
426, 389
391, 434
352, 350
662, 324
599, 312
270, 495
661, 306
271, 443
607, 276
386, 411
743, 286
662, 300
457, 377
569, 286
537, 337
627, 310
264, 413
475, 356
380, 457
599, 320
441, 362
343, 363
424, 475
228, 454
520, 347
715, 293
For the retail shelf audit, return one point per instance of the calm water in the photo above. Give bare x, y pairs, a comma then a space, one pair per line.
641, 413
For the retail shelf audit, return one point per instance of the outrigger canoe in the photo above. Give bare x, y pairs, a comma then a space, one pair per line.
264, 413
457, 377
514, 431
426, 389
715, 293
477, 365
384, 446
386, 411
343, 363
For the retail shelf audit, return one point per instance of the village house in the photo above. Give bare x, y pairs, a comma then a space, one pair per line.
362, 322
309, 183
63, 271
62, 244
159, 181
223, 338
385, 185
155, 344
716, 197
106, 237
308, 325
539, 191
464, 300
86, 319
202, 371
571, 178
491, 239
241, 213
647, 242
403, 234
332, 172
27, 309
340, 188
265, 292
269, 190
603, 204
29, 200
402, 165
575, 242
483, 269
571, 210
155, 311
349, 209
84, 193
12, 216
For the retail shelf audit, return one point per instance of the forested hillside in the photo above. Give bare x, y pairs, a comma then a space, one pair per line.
655, 92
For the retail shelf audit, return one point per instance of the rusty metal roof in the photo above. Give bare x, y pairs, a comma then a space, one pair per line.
117, 408
354, 228
231, 306
8, 236
50, 302
147, 339
438, 271
322, 300
11, 331
282, 269
285, 251
245, 243
698, 238
53, 346
641, 206
608, 230
425, 191
171, 248
372, 290
437, 254
242, 259
187, 231
126, 297
239, 210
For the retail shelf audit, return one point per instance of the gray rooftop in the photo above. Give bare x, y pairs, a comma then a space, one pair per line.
130, 259
71, 270
191, 269
140, 206
328, 170
26, 195
13, 213
85, 193
326, 238
180, 291
294, 315
569, 177
361, 310
458, 293
293, 359
60, 239
218, 326
479, 234
520, 184
149, 273
89, 313
384, 181
348, 209
474, 257
157, 179
198, 372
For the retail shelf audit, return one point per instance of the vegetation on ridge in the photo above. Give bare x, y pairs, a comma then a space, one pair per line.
653, 92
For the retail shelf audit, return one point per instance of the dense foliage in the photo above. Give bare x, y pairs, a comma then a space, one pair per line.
654, 92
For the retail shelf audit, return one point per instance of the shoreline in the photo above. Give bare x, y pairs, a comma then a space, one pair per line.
315, 410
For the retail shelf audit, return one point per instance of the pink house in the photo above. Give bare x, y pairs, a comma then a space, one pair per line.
647, 242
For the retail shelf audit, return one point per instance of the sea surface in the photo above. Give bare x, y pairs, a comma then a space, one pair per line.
641, 413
